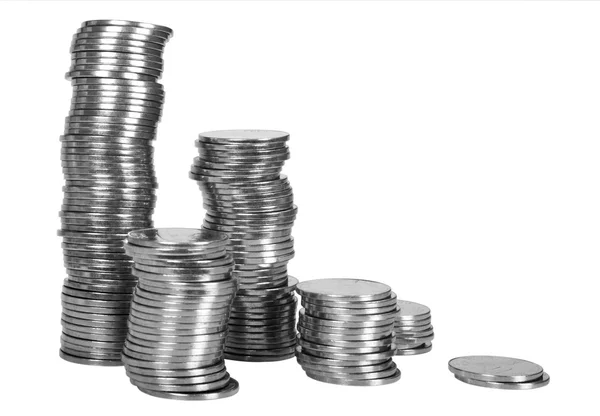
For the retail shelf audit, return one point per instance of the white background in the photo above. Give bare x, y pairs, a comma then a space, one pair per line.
447, 149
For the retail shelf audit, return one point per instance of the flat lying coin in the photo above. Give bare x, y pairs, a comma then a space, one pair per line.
497, 369
542, 381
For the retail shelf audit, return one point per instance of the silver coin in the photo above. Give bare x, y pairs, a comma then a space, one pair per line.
422, 349
342, 323
126, 24
319, 349
200, 359
542, 381
383, 303
151, 102
117, 82
351, 317
118, 68
89, 360
414, 334
177, 237
123, 32
350, 382
116, 45
118, 60
326, 372
244, 329
107, 74
228, 390
343, 289
498, 369
302, 356
176, 380
120, 115
144, 38
94, 323
412, 311
144, 326
243, 136
191, 364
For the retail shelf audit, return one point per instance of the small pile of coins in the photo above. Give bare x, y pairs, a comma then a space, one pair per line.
179, 312
499, 372
246, 196
413, 329
107, 159
345, 332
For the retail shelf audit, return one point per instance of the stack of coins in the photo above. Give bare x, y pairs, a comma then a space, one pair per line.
246, 196
499, 372
346, 332
413, 329
179, 313
107, 164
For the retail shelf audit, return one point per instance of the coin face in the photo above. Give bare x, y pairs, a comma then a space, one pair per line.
344, 289
495, 369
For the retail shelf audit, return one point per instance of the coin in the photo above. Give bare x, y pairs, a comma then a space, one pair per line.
495, 369
542, 381
344, 289
357, 382
228, 390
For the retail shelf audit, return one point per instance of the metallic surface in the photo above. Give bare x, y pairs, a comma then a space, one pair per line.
176, 337
246, 196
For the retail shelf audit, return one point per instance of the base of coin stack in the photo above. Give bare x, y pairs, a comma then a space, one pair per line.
413, 329
179, 312
247, 197
503, 373
345, 332
107, 162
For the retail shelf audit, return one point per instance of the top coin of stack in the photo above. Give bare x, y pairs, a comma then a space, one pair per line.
107, 161
245, 195
345, 332
179, 313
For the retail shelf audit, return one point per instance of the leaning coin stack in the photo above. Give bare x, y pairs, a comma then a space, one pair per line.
107, 164
247, 197
179, 313
346, 332
413, 329
503, 373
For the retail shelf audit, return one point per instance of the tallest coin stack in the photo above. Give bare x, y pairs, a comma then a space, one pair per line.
247, 197
109, 179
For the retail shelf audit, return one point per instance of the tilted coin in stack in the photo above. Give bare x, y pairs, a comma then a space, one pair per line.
107, 162
246, 196
503, 373
413, 328
345, 332
179, 312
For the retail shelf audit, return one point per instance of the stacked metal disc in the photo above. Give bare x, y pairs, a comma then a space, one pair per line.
503, 373
179, 313
346, 332
246, 196
107, 164
413, 329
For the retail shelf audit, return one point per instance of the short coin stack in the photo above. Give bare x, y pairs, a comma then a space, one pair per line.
107, 164
247, 197
413, 329
179, 313
345, 332
499, 372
